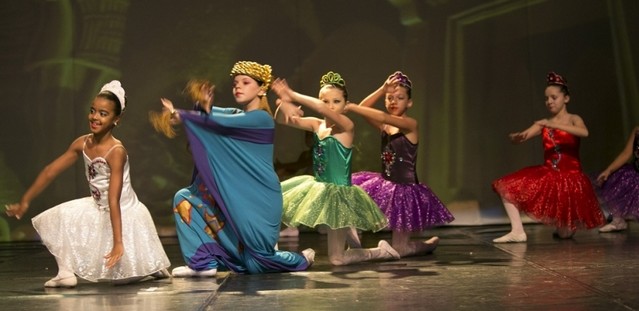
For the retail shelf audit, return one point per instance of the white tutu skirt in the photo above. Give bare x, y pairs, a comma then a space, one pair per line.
79, 235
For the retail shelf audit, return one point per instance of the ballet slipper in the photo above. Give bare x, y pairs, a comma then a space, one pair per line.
511, 238
162, 274
614, 226
388, 251
127, 281
185, 272
309, 254
429, 245
66, 282
563, 233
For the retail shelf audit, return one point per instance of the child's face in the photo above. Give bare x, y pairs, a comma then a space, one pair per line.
397, 102
555, 99
333, 98
245, 89
102, 116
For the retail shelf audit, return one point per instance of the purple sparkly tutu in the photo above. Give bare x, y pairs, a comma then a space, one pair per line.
620, 193
408, 207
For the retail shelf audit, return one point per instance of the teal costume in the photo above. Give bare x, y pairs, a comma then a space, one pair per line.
328, 198
229, 217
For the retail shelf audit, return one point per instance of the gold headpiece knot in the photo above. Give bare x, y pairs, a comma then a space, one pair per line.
254, 70
332, 78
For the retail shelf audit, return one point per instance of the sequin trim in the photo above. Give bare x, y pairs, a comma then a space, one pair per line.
388, 158
556, 148
320, 163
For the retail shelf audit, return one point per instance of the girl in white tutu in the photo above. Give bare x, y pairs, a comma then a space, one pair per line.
109, 235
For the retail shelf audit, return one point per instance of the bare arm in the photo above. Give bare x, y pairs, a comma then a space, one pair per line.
288, 95
406, 124
116, 160
621, 159
576, 126
286, 111
526, 134
389, 86
46, 176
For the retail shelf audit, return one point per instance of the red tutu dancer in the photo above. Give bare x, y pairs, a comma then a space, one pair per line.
556, 193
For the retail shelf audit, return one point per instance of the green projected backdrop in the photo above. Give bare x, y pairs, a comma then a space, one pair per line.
478, 70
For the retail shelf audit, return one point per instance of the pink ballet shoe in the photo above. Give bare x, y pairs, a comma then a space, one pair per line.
511, 238
614, 226
390, 251
309, 254
66, 282
185, 272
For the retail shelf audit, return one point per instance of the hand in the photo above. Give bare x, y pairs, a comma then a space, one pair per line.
115, 255
543, 123
289, 110
391, 84
16, 209
517, 138
601, 179
281, 88
348, 107
168, 106
207, 94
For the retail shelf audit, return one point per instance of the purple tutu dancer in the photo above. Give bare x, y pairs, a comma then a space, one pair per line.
410, 207
618, 185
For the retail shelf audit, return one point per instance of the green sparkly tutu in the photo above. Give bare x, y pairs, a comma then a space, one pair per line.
311, 203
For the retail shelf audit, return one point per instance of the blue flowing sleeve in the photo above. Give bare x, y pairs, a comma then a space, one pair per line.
233, 154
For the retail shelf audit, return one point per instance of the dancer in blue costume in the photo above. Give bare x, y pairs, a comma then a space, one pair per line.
229, 217
410, 206
328, 198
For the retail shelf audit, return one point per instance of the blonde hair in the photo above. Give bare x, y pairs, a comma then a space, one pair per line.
193, 89
161, 121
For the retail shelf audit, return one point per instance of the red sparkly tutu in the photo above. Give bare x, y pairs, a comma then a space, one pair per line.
557, 193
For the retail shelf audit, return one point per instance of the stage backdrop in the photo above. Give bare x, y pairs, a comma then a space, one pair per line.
478, 70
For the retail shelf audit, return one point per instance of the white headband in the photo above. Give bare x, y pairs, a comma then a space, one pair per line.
116, 88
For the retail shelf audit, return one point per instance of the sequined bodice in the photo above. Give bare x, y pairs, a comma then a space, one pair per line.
561, 150
98, 174
399, 159
331, 161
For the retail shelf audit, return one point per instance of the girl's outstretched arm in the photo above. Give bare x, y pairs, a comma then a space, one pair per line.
286, 112
46, 176
281, 88
526, 134
620, 160
116, 160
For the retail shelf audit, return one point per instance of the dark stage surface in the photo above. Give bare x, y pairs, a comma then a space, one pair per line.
592, 271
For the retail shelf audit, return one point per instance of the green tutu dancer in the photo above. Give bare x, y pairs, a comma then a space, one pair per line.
328, 198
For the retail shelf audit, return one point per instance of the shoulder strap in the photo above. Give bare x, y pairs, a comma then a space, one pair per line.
113, 147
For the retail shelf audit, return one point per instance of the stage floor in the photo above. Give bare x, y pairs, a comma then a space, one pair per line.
592, 271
